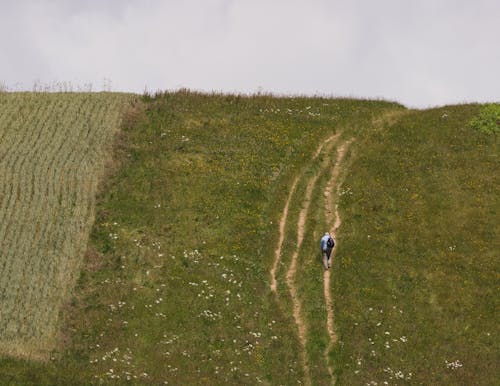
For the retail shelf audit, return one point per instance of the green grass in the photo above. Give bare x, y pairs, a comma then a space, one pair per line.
175, 285
418, 266
488, 120
221, 193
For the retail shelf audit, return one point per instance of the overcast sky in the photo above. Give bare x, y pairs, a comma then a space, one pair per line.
419, 52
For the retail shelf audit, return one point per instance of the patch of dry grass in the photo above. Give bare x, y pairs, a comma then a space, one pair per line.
53, 149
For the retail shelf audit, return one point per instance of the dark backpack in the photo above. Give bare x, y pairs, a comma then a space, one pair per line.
330, 243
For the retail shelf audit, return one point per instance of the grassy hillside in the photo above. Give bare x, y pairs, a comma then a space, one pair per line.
52, 150
174, 287
195, 212
176, 281
417, 272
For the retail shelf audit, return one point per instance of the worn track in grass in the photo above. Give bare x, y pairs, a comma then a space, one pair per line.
292, 269
332, 217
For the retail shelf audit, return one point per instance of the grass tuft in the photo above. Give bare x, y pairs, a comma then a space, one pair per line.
488, 120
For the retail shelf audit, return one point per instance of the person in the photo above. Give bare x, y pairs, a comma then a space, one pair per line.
326, 244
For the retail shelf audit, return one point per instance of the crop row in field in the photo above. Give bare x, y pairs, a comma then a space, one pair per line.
52, 152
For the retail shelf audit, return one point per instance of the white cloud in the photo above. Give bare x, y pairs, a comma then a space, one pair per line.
418, 52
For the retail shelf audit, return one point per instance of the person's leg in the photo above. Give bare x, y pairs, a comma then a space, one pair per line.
329, 253
325, 259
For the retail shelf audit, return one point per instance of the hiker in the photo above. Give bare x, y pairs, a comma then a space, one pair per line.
326, 244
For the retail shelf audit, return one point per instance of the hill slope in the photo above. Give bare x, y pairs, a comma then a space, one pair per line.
176, 282
417, 274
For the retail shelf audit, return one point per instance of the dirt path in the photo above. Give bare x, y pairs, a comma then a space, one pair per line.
290, 277
292, 270
277, 253
332, 217
284, 216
